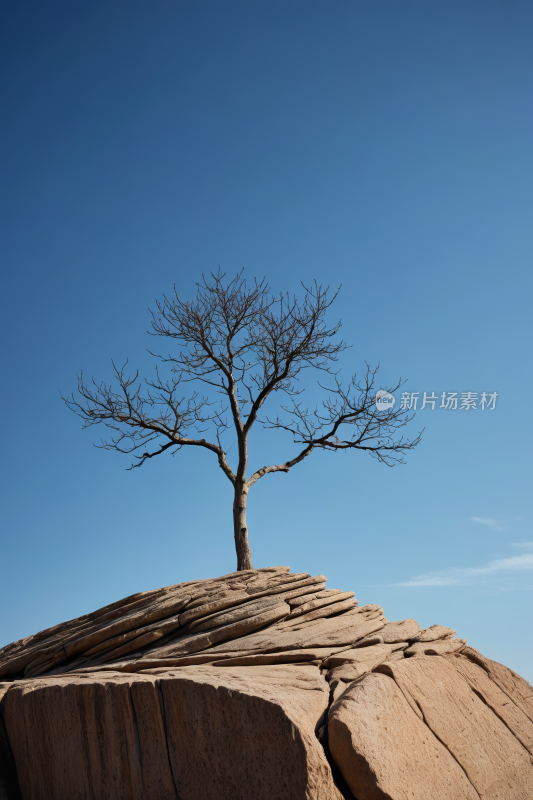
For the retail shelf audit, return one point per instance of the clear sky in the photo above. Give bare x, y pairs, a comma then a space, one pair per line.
385, 146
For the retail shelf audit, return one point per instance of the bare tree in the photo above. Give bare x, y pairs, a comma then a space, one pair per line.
238, 341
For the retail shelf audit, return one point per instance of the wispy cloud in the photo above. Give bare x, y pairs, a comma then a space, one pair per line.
462, 575
491, 523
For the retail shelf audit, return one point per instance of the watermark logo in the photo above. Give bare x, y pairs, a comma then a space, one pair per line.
449, 401
468, 401
384, 400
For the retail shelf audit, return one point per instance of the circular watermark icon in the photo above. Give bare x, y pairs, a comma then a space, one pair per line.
384, 400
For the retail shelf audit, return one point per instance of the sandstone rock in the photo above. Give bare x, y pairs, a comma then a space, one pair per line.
400, 631
494, 761
197, 734
274, 582
514, 686
384, 751
107, 612
377, 654
500, 703
302, 590
317, 654
333, 597
80, 737
337, 687
242, 611
439, 648
371, 640
193, 643
150, 621
349, 672
218, 688
56, 649
318, 613
396, 656
9, 789
368, 612
287, 582
328, 633
235, 589
349, 665
433, 633
318, 594
298, 601
116, 646
371, 608
139, 664
218, 599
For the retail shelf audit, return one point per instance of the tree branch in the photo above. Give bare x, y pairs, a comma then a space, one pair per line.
126, 413
243, 345
279, 467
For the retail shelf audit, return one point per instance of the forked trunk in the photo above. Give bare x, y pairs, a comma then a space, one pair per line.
242, 546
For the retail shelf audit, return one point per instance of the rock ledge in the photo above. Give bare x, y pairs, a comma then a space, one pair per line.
260, 684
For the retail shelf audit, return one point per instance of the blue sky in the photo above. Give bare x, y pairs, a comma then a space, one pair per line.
383, 146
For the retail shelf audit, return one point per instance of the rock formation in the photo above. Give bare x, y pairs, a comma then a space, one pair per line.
260, 684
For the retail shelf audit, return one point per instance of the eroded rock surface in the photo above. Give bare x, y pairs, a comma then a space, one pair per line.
433, 727
194, 733
259, 684
384, 750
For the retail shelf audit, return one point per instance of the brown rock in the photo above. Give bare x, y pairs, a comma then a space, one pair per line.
139, 664
197, 734
385, 752
80, 737
81, 641
304, 598
433, 633
114, 647
284, 657
193, 643
274, 586
348, 672
319, 613
242, 611
367, 612
514, 686
502, 705
274, 582
439, 648
396, 656
400, 631
331, 597
318, 593
377, 654
349, 665
371, 640
53, 634
301, 591
206, 606
233, 596
169, 683
371, 608
148, 621
39, 648
336, 688
226, 709
334, 632
495, 762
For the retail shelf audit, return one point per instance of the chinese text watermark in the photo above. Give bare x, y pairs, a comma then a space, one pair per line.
449, 401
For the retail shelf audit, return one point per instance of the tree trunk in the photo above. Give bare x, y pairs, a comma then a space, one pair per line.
240, 528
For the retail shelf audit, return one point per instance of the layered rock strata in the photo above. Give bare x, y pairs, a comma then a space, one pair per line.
260, 684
